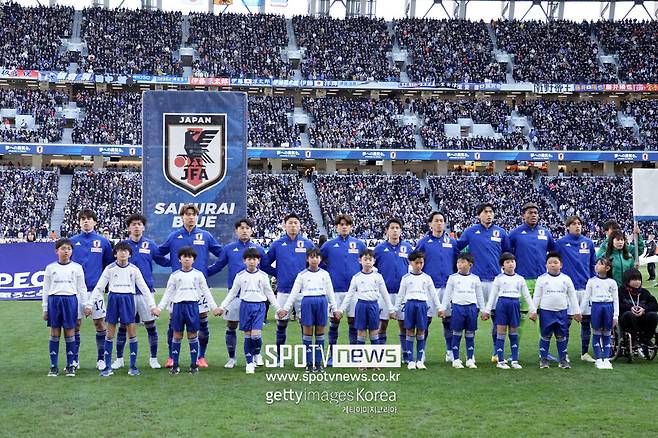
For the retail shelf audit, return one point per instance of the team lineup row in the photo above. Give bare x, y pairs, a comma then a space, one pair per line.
454, 279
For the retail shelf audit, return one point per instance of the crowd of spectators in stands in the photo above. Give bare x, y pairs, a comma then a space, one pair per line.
109, 118
448, 51
239, 46
27, 198
42, 106
270, 197
358, 123
269, 125
371, 200
578, 125
112, 195
351, 49
645, 113
125, 41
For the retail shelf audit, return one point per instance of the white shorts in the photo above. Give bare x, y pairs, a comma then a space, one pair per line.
203, 305
340, 297
232, 311
585, 310
142, 308
281, 298
432, 307
384, 310
486, 291
98, 310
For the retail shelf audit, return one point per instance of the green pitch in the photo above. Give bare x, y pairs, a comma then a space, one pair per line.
439, 401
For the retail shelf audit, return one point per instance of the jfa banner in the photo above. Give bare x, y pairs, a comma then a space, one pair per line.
194, 151
22, 266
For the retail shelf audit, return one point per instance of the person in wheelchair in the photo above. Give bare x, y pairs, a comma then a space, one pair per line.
637, 309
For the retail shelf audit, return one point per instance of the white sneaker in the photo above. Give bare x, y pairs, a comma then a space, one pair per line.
449, 357
75, 365
598, 364
118, 363
411, 366
515, 365
587, 358
420, 365
153, 362
250, 368
457, 363
100, 365
501, 365
231, 363
470, 363
258, 360
607, 364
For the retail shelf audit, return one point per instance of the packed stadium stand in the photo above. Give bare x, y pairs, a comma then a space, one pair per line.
270, 122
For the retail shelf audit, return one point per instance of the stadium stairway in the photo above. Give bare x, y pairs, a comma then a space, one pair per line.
314, 206
185, 30
63, 191
77, 25
426, 188
548, 197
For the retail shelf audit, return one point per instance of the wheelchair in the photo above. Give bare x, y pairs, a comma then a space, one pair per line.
627, 345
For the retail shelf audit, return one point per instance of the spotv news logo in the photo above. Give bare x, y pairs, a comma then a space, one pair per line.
344, 356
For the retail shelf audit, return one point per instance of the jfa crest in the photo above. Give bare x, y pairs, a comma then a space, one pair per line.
195, 150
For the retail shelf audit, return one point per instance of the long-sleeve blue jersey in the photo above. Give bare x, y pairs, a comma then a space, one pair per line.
392, 261
145, 252
202, 241
340, 257
94, 253
232, 256
530, 246
440, 257
578, 259
486, 245
290, 258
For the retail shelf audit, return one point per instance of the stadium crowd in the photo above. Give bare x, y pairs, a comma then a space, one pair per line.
112, 195
371, 200
448, 51
110, 118
268, 122
557, 51
128, 41
645, 113
27, 198
357, 123
350, 49
39, 104
239, 46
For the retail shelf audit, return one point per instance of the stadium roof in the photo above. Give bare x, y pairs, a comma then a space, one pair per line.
391, 9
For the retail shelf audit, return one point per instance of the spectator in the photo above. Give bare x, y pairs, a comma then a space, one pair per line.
270, 122
110, 118
645, 113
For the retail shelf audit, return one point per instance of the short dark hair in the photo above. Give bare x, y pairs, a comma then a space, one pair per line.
505, 257
122, 246
343, 217
415, 255
367, 252
135, 217
610, 225
480, 208
631, 274
251, 253
87, 213
571, 219
63, 241
394, 220
289, 216
553, 254
467, 256
186, 207
528, 206
434, 213
315, 251
248, 222
187, 251
606, 261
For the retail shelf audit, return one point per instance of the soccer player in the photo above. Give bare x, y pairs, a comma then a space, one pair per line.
184, 288
554, 294
252, 286
314, 285
486, 242
203, 243
340, 257
392, 261
416, 290
288, 252
579, 257
233, 257
122, 279
366, 288
440, 262
464, 293
93, 252
143, 253
506, 293
63, 287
